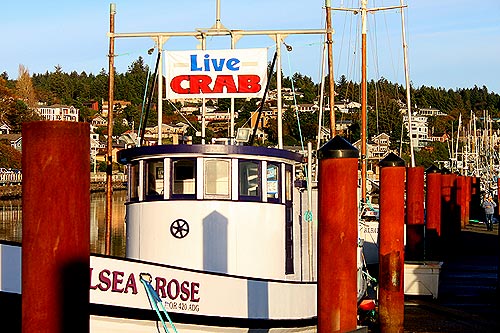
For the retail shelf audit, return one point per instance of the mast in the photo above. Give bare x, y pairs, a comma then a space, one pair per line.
363, 100
364, 10
109, 153
331, 80
407, 81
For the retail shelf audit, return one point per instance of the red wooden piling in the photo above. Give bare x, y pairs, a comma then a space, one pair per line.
414, 213
391, 245
475, 199
337, 237
461, 199
447, 209
433, 213
56, 227
467, 199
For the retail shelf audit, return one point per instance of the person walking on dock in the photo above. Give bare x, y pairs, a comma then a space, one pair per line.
489, 208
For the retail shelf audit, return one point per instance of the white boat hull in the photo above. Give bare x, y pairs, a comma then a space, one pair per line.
218, 302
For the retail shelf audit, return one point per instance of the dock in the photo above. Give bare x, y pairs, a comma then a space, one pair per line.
468, 296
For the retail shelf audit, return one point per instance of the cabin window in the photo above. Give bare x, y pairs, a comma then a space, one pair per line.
273, 184
184, 179
134, 181
153, 179
217, 178
249, 180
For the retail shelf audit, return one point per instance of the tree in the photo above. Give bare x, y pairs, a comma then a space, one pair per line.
24, 87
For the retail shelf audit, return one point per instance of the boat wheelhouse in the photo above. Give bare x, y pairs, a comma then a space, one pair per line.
216, 208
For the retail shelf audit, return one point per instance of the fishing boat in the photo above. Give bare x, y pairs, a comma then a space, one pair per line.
216, 239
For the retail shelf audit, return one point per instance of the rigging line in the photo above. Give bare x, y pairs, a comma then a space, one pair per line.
180, 113
374, 43
296, 107
263, 100
395, 68
151, 92
144, 100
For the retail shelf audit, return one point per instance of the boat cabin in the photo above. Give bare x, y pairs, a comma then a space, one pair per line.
220, 208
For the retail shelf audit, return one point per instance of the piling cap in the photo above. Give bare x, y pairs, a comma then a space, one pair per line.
433, 169
338, 147
392, 160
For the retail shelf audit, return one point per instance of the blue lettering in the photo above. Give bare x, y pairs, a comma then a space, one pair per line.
233, 64
217, 65
207, 63
194, 63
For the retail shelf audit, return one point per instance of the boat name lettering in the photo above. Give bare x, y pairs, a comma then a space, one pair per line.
174, 289
218, 65
201, 84
371, 230
120, 282
114, 280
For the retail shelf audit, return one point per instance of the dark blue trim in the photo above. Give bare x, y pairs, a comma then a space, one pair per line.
126, 155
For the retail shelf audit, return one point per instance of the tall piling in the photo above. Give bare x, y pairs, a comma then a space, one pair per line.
461, 199
415, 226
56, 227
476, 212
433, 214
337, 236
391, 244
468, 198
448, 210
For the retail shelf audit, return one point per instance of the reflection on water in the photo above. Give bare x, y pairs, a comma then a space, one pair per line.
11, 222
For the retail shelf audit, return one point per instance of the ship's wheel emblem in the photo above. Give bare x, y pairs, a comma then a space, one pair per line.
179, 228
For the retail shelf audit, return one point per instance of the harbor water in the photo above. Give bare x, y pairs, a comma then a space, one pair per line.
11, 222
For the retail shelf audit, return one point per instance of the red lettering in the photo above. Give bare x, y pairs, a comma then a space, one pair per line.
200, 83
117, 279
248, 83
176, 82
185, 291
224, 81
169, 289
195, 288
104, 279
160, 286
131, 284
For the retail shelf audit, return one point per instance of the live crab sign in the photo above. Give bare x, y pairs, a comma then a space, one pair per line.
239, 73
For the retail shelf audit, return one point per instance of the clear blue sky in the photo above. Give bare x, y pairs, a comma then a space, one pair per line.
451, 43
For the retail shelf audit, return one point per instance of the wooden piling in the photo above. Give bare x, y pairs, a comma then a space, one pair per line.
56, 227
337, 237
414, 213
391, 244
433, 214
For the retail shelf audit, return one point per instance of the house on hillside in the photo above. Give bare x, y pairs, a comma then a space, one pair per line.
58, 112
4, 128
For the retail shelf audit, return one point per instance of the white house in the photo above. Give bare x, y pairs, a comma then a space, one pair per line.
58, 112
419, 130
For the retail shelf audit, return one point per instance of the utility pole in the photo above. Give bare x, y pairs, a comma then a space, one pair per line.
109, 153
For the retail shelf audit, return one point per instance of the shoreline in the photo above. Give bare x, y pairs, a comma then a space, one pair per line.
8, 192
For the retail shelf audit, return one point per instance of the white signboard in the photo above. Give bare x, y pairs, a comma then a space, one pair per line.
240, 73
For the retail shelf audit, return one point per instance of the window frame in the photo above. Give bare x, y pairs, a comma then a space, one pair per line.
257, 197
174, 195
279, 182
228, 182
